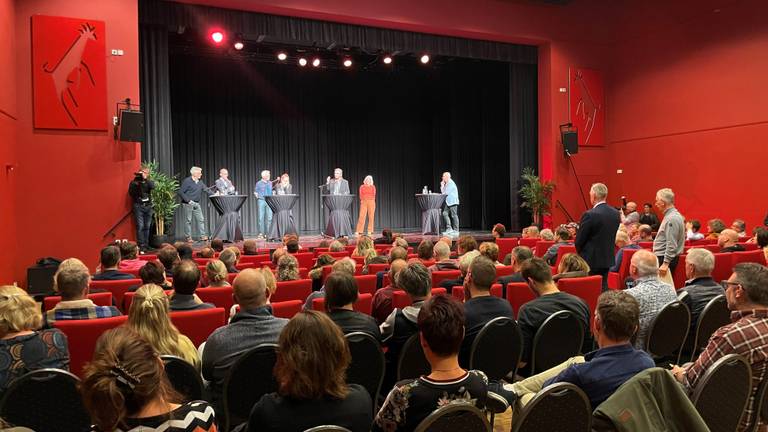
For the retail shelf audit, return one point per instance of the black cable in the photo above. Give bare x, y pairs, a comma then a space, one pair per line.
581, 191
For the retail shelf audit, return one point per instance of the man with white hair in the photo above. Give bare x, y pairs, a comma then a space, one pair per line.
451, 209
191, 193
650, 292
263, 189
223, 184
700, 286
597, 233
337, 185
670, 239
631, 214
442, 255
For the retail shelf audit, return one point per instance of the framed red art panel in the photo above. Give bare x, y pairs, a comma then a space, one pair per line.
587, 106
69, 73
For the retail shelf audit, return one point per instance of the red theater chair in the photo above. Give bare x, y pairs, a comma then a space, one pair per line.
505, 246
616, 279
100, 299
197, 325
755, 256
305, 259
586, 288
518, 294
219, 296
366, 283
118, 288
292, 290
541, 248
562, 250
400, 299
287, 309
82, 336
441, 275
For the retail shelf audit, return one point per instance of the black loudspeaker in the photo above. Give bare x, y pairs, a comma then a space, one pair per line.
132, 126
570, 140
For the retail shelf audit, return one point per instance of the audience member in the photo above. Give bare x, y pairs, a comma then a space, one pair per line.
364, 247
649, 217
129, 252
324, 243
228, 257
644, 234
386, 237
571, 266
650, 292
531, 232
345, 265
249, 328
622, 243
399, 241
217, 244
152, 273
424, 250
464, 244
549, 300
562, 237
316, 273
442, 254
125, 388
700, 286
72, 283
216, 273
23, 346
464, 262
597, 233
490, 250
382, 298
184, 250
378, 259
340, 297
278, 253
747, 294
728, 240
288, 268
480, 306
715, 226
573, 229
518, 256
740, 227
670, 239
499, 231
692, 228
169, 257
344, 241
206, 252
441, 325
312, 361
336, 246
185, 282
598, 373
250, 247
630, 213
109, 263
761, 238
292, 245
148, 316
547, 235
398, 252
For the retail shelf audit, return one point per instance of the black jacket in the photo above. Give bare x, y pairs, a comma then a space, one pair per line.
597, 236
141, 190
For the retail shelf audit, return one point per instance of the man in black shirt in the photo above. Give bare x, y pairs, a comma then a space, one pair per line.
481, 306
700, 286
340, 297
548, 301
140, 190
110, 261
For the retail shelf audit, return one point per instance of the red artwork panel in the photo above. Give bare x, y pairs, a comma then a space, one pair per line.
587, 106
69, 73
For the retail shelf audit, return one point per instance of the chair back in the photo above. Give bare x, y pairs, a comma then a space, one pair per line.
455, 417
245, 259
760, 407
364, 303
715, 315
82, 336
292, 290
197, 325
559, 338
723, 266
755, 256
337, 255
148, 257
626, 259
375, 268
367, 366
287, 309
518, 294
249, 379
99, 299
497, 290
562, 251
184, 378
529, 242
722, 393
401, 299
586, 288
678, 276
45, 400
505, 246
561, 407
668, 330
497, 348
305, 259
219, 296
366, 283
118, 288
504, 271
541, 247
412, 362
441, 275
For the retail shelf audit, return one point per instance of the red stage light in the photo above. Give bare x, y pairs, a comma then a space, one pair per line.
217, 37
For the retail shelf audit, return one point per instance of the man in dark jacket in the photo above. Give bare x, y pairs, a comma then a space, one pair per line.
140, 190
700, 286
597, 232
191, 193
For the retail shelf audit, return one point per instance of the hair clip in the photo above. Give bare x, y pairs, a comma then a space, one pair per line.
124, 377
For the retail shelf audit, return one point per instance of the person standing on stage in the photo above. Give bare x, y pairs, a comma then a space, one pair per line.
451, 209
367, 205
597, 233
263, 189
337, 185
191, 193
140, 190
283, 187
224, 185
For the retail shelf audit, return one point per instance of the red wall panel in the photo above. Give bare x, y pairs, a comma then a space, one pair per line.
7, 143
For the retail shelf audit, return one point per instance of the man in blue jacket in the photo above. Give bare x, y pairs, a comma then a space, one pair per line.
191, 193
451, 209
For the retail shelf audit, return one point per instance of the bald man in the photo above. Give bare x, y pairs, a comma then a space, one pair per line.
650, 292
630, 213
728, 240
252, 326
224, 185
382, 299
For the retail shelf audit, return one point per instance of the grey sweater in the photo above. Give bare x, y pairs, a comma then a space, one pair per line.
670, 240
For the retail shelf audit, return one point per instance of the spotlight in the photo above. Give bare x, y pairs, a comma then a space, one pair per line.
282, 56
347, 62
217, 37
316, 62
387, 60
238, 45
425, 59
302, 62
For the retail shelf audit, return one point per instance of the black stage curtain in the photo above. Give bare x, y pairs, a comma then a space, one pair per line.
155, 96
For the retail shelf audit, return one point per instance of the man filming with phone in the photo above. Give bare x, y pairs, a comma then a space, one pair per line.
140, 190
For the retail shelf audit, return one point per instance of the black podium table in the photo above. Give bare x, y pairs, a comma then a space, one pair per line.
339, 220
228, 207
430, 212
282, 218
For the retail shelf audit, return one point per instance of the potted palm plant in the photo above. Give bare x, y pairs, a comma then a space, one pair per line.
536, 194
164, 203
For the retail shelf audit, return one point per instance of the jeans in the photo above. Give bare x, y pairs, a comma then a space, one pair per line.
451, 217
264, 215
527, 388
195, 210
143, 215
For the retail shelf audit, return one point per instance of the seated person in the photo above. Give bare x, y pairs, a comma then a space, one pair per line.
700, 286
519, 255
152, 273
336, 246
364, 248
312, 360
184, 250
531, 232
464, 244
572, 265
378, 259
229, 258
216, 274
715, 226
386, 237
650, 292
499, 231
345, 265
292, 245
316, 272
288, 268
548, 300
480, 306
129, 252
622, 242
252, 326
109, 263
632, 230
490, 250
649, 217
72, 283
23, 346
217, 245
562, 237
185, 282
729, 241
125, 388
761, 238
441, 325
598, 373
740, 227
644, 234
441, 253
395, 253
206, 252
169, 257
382, 298
250, 247
424, 250
547, 235
464, 262
340, 297
692, 228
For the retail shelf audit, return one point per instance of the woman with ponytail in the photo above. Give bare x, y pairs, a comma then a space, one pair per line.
216, 271
125, 389
148, 316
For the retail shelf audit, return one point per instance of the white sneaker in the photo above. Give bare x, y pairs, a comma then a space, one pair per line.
448, 232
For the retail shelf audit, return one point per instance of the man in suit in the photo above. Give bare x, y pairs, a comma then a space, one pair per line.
223, 184
597, 233
337, 185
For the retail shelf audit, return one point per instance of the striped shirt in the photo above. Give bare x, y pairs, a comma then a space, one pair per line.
744, 336
79, 310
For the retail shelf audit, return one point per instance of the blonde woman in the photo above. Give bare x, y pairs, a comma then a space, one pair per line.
571, 266
149, 317
367, 205
287, 268
216, 272
23, 347
364, 248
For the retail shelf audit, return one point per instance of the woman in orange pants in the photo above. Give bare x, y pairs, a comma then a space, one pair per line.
367, 205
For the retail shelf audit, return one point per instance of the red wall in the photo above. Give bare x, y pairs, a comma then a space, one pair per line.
74, 183
7, 142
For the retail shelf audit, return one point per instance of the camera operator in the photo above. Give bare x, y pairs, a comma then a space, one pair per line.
140, 190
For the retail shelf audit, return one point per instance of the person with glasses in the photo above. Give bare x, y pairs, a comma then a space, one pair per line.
747, 294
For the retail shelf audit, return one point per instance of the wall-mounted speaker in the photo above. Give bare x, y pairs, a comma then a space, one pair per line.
132, 126
570, 139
